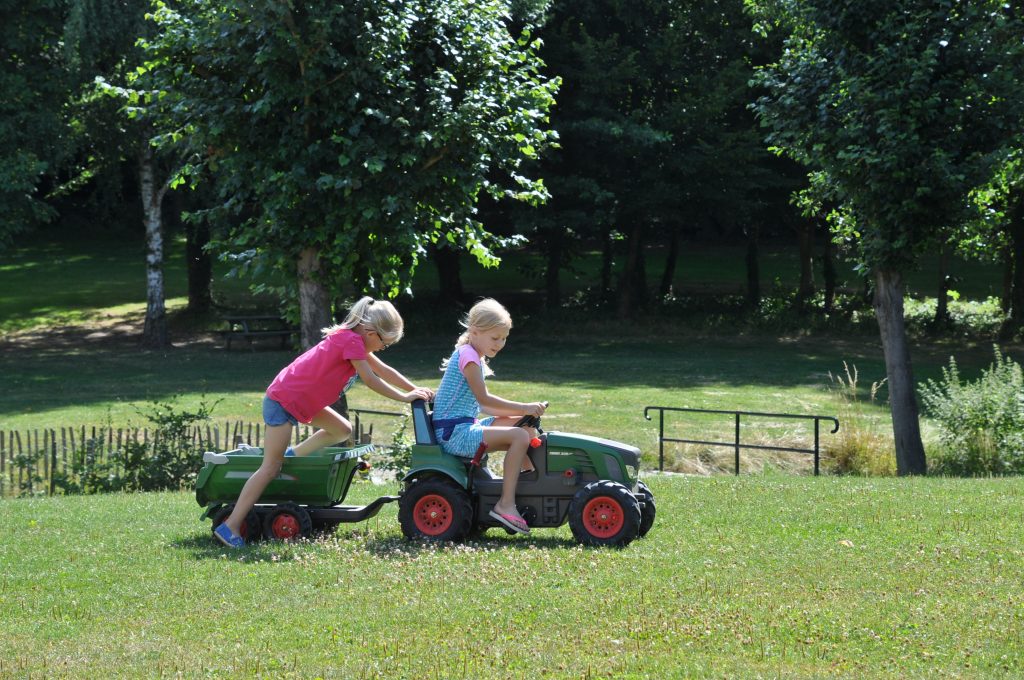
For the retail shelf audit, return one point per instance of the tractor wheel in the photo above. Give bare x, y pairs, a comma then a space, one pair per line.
648, 511
251, 529
287, 521
435, 510
604, 513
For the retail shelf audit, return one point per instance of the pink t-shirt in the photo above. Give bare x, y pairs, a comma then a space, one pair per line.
316, 378
468, 355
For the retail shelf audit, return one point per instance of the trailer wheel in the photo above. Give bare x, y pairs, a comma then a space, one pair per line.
604, 513
648, 511
287, 521
251, 529
435, 510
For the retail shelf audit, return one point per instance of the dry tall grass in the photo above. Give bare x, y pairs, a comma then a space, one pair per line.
863, 445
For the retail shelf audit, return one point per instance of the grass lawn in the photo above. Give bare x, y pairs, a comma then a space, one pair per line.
756, 576
768, 575
598, 374
598, 381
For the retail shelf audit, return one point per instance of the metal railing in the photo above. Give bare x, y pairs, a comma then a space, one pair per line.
736, 443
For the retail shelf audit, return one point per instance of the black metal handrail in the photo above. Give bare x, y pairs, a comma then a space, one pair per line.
737, 444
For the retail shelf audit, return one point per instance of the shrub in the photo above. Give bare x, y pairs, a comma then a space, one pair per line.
397, 456
981, 423
169, 460
860, 447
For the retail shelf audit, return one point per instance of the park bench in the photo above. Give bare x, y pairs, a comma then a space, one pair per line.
252, 326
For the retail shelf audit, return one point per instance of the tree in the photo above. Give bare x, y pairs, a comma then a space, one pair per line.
349, 135
33, 86
655, 135
905, 105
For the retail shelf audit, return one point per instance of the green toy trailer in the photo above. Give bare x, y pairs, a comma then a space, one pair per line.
591, 483
306, 495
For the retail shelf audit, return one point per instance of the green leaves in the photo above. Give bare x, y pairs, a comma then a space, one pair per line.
905, 107
356, 126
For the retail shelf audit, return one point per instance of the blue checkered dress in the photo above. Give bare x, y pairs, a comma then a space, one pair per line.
455, 400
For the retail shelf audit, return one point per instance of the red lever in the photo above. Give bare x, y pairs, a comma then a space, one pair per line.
478, 456
535, 442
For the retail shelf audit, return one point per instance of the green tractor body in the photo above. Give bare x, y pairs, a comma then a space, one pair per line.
590, 482
306, 495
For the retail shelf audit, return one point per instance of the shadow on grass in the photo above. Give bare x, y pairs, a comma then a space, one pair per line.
202, 546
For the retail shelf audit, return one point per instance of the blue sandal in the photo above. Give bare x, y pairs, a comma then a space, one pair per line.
224, 534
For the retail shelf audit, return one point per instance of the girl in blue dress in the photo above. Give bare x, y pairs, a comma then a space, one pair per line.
463, 395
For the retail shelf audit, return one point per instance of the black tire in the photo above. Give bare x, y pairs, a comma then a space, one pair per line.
286, 522
604, 513
648, 511
251, 530
435, 510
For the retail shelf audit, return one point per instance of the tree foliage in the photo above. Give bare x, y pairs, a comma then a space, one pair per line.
34, 83
361, 130
656, 141
906, 107
903, 107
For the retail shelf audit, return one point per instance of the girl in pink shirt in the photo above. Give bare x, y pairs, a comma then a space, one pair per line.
304, 390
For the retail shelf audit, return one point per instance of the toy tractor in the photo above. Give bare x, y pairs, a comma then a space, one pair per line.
590, 482
305, 496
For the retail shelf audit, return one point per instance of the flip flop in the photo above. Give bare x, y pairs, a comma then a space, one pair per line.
516, 524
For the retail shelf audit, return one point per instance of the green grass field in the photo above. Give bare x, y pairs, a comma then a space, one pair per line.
763, 575
757, 576
61, 369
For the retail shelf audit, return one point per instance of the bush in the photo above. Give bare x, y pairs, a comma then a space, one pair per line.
167, 461
981, 423
860, 447
397, 456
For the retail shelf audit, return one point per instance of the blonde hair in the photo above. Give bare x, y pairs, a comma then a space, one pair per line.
483, 316
375, 315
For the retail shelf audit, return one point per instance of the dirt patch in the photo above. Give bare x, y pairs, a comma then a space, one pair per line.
106, 330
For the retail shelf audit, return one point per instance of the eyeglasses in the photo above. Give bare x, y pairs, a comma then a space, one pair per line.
381, 338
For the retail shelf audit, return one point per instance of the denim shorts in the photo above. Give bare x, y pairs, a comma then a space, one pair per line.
274, 414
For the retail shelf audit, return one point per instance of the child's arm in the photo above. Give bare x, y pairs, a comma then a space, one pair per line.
373, 381
493, 404
388, 374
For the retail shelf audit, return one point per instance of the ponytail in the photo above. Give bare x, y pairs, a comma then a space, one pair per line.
376, 315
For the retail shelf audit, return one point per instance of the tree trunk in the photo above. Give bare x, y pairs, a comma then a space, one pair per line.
552, 284
341, 407
607, 260
314, 301
1015, 316
154, 334
906, 427
449, 277
829, 262
805, 236
753, 269
1005, 300
668, 276
942, 300
631, 284
200, 267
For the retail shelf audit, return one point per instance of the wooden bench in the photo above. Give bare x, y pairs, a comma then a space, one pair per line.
252, 326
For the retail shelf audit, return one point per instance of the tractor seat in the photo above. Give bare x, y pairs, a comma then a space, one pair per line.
423, 424
423, 427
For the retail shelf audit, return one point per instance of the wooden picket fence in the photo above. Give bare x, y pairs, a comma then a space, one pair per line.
30, 460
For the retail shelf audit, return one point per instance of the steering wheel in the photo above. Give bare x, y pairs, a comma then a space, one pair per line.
530, 421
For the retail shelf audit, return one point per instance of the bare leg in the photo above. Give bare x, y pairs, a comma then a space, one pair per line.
274, 444
510, 421
333, 429
515, 440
